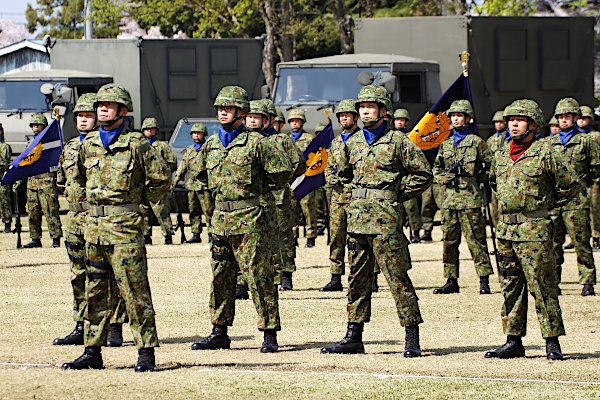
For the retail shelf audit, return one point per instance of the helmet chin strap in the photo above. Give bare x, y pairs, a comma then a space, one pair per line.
113, 121
235, 119
369, 124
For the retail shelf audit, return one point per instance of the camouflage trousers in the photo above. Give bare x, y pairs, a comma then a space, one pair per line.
412, 210
200, 203
387, 251
43, 201
432, 200
530, 265
286, 262
594, 193
127, 265
308, 204
577, 224
5, 211
471, 224
249, 253
323, 195
162, 210
494, 207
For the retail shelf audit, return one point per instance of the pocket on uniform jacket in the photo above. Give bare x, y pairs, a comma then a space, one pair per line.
241, 168
121, 171
530, 182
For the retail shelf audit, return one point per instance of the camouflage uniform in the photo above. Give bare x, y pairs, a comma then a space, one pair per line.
495, 142
594, 190
5, 210
432, 200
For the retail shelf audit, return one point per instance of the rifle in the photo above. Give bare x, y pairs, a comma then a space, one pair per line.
456, 167
180, 224
327, 218
486, 199
18, 226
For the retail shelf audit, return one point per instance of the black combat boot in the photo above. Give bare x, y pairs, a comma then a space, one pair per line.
194, 239
270, 341
218, 339
115, 335
321, 230
286, 281
553, 351
73, 338
90, 359
411, 343
34, 243
146, 361
310, 242
484, 285
56, 242
169, 239
147, 239
569, 246
7, 227
426, 236
416, 238
513, 348
451, 286
596, 245
375, 287
588, 290
241, 292
351, 343
335, 285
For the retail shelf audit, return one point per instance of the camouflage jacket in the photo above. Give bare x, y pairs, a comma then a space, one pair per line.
129, 172
165, 151
74, 193
303, 141
282, 196
392, 164
538, 180
5, 153
244, 171
494, 142
582, 154
340, 188
463, 191
190, 165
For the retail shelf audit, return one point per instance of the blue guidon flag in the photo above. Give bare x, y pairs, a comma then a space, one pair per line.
434, 127
42, 155
316, 156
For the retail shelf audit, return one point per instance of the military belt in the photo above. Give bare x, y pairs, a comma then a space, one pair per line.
105, 211
374, 194
237, 204
78, 207
513, 219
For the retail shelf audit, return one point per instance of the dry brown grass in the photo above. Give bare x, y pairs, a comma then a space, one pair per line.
35, 302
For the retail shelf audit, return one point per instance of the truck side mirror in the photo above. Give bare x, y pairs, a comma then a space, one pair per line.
366, 78
265, 92
389, 84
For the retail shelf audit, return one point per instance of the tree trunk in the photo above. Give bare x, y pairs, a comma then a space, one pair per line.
287, 46
268, 64
339, 15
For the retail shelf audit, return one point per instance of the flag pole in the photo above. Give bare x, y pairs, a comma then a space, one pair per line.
464, 59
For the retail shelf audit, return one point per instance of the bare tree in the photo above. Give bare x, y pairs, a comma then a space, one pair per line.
338, 10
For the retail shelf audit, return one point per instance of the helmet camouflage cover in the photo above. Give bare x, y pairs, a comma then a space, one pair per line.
320, 127
85, 103
346, 105
553, 121
373, 93
233, 96
270, 106
498, 116
402, 113
198, 127
280, 117
586, 111
150, 123
297, 113
38, 119
259, 107
567, 105
461, 106
525, 108
114, 94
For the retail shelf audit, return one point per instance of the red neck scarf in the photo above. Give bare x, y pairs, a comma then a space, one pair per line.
517, 149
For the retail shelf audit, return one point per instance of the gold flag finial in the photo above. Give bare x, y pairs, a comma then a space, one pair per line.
464, 59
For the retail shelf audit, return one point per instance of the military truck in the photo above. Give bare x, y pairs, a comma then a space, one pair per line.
319, 84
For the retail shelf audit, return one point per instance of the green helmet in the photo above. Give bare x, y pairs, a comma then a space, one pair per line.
320, 127
280, 117
553, 121
199, 127
346, 106
85, 103
525, 108
567, 105
586, 111
461, 106
296, 113
498, 116
270, 106
38, 119
259, 107
113, 93
373, 93
150, 123
233, 96
402, 113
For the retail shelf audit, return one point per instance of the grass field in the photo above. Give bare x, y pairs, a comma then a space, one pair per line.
35, 307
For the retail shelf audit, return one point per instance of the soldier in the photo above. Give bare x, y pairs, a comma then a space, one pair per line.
85, 119
162, 208
241, 166
118, 169
323, 194
460, 167
42, 198
308, 203
584, 125
554, 128
5, 211
494, 142
530, 180
385, 169
581, 152
199, 198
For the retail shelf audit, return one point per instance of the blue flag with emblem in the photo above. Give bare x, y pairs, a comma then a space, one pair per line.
431, 130
316, 156
42, 155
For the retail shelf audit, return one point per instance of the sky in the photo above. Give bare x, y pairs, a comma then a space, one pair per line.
14, 10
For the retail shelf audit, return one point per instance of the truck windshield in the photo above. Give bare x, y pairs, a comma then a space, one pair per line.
184, 139
302, 85
22, 95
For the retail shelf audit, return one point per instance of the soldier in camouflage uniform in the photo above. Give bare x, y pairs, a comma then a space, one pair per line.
530, 180
199, 199
240, 166
42, 197
308, 204
582, 153
85, 119
498, 139
460, 167
553, 125
385, 169
5, 211
118, 170
162, 208
584, 125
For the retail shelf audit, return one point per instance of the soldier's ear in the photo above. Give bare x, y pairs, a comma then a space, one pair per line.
532, 126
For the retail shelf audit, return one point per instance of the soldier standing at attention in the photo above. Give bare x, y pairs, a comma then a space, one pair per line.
118, 169
241, 166
162, 208
308, 203
199, 198
530, 179
5, 211
554, 128
42, 197
385, 169
582, 153
460, 166
494, 142
584, 125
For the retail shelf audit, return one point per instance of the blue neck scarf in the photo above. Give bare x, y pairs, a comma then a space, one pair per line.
506, 133
566, 136
108, 137
198, 146
227, 136
296, 135
371, 135
404, 130
81, 137
587, 129
458, 136
346, 136
152, 139
270, 131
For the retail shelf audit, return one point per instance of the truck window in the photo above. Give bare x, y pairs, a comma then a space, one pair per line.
410, 88
22, 96
184, 139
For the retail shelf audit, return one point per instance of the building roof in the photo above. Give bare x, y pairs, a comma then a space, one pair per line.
25, 43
